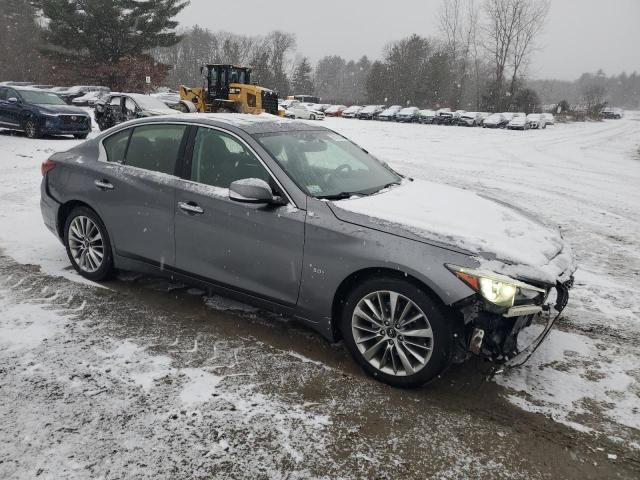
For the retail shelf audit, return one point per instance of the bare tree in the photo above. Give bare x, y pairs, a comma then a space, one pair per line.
510, 30
531, 17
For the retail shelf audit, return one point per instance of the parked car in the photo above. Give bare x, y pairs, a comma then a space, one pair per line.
536, 121
389, 113
39, 113
444, 116
370, 112
120, 107
352, 111
483, 116
518, 122
612, 113
80, 90
224, 203
456, 116
89, 99
306, 112
408, 115
426, 116
335, 110
495, 120
469, 119
288, 103
549, 119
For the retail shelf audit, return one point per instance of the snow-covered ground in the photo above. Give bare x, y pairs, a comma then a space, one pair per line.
583, 178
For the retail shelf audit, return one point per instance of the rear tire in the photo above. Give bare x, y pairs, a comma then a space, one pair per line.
88, 244
407, 349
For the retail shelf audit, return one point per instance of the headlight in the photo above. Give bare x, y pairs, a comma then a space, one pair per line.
497, 289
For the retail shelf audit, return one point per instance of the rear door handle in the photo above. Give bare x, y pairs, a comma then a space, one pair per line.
191, 208
103, 185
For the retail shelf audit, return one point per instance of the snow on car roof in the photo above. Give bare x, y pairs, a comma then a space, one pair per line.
249, 123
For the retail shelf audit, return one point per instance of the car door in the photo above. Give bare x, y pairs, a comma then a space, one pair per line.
10, 115
252, 248
134, 190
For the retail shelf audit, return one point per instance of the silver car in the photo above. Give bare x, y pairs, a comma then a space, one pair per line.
296, 218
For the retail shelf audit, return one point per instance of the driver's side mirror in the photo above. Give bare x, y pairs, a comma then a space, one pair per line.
12, 100
252, 190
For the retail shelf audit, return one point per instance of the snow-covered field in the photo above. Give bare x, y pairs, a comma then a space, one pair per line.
583, 178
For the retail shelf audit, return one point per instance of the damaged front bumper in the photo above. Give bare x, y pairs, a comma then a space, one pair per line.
495, 335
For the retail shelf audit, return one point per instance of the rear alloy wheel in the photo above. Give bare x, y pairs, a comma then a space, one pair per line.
31, 128
88, 245
396, 332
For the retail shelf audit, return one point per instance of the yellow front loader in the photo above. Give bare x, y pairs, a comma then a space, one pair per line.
228, 88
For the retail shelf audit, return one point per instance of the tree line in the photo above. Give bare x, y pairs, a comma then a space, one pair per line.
478, 60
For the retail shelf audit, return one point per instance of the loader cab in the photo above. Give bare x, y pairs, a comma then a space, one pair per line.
218, 78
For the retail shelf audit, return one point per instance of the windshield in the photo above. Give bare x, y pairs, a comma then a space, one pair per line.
149, 103
327, 165
41, 98
353, 109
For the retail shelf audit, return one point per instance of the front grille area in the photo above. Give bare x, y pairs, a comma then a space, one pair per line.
270, 102
73, 122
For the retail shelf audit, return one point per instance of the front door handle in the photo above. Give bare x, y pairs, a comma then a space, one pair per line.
103, 185
191, 208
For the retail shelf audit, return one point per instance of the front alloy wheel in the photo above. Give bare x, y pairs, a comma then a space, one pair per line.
31, 129
397, 331
392, 333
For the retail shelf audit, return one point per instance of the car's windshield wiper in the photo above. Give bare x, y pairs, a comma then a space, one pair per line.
338, 196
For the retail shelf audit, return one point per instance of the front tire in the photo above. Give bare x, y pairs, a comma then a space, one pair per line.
396, 332
88, 244
31, 128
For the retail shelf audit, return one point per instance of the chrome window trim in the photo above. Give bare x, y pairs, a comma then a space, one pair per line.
102, 153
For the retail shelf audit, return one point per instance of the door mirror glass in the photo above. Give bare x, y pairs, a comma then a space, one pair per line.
12, 100
250, 190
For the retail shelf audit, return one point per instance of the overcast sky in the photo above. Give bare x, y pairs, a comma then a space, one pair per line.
580, 35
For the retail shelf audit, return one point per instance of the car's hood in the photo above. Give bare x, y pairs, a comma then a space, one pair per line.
502, 238
63, 109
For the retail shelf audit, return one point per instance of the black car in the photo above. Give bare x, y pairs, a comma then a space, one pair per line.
39, 113
120, 107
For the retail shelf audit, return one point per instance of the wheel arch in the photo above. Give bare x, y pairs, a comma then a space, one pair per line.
64, 211
359, 276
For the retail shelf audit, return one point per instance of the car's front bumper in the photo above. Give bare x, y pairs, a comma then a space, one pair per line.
494, 335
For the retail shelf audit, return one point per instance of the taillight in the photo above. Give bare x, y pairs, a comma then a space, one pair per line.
47, 166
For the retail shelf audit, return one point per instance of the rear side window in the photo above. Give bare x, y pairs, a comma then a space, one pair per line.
116, 146
155, 147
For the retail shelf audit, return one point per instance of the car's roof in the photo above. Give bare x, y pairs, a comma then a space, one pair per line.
251, 124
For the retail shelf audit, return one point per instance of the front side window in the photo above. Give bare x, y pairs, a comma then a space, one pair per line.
219, 159
115, 101
155, 147
325, 164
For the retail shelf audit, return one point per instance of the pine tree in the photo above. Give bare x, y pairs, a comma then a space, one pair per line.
102, 35
302, 82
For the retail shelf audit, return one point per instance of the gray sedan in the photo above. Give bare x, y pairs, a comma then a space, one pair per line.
296, 218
